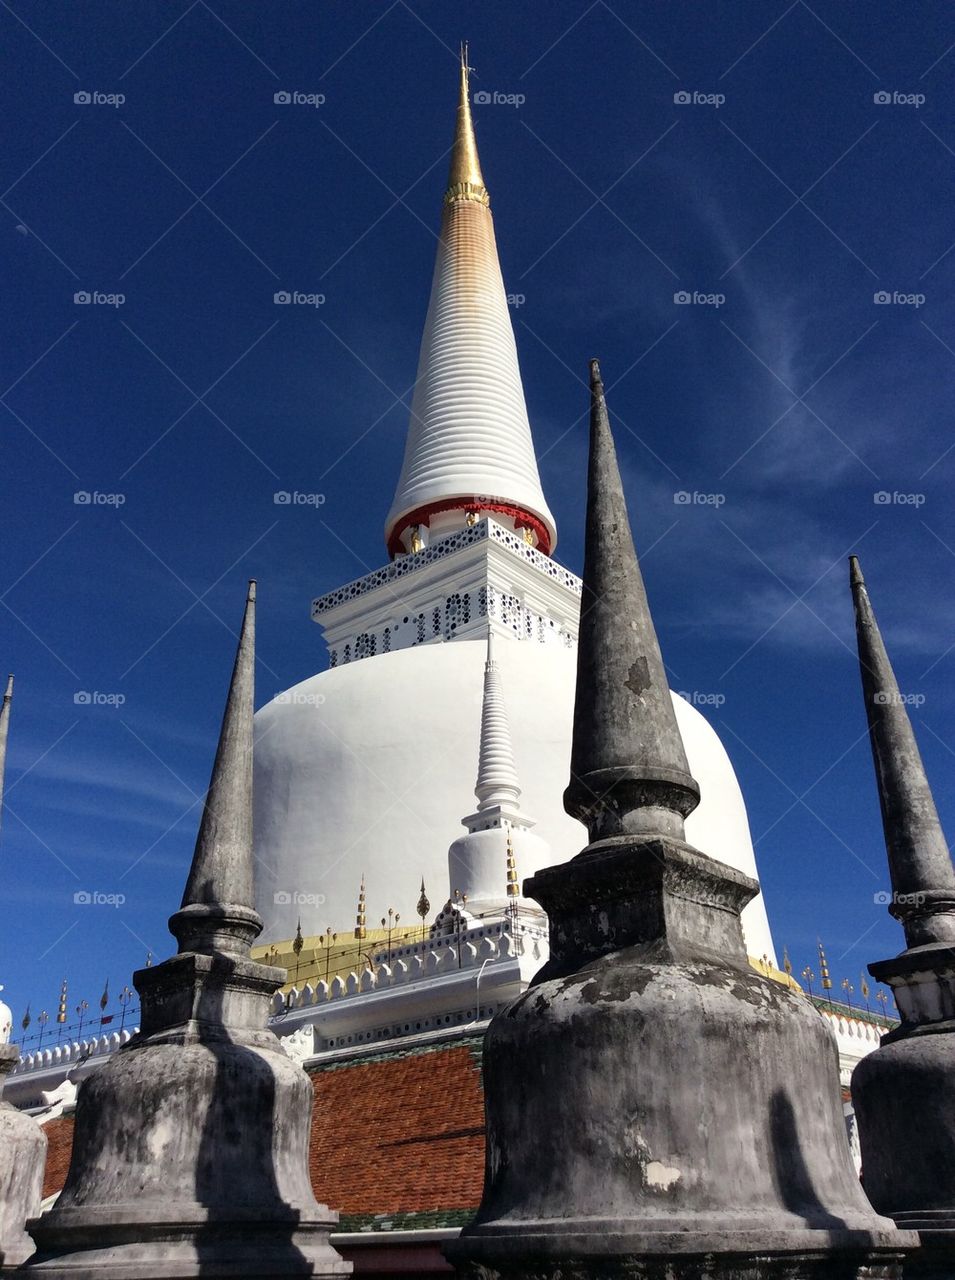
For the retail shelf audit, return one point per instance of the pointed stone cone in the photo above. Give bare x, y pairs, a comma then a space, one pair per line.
217, 911
920, 866
4, 734
904, 1092
629, 771
655, 1107
190, 1147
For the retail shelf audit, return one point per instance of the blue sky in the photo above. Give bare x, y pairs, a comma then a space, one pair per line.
732, 152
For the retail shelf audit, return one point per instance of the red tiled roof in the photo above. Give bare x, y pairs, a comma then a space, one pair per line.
398, 1133
402, 1133
59, 1139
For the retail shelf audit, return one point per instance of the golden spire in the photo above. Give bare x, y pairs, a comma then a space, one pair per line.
513, 889
465, 180
826, 980
360, 917
61, 1012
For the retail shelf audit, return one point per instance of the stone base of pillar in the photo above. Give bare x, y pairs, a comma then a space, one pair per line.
171, 1250
650, 1260
190, 1149
904, 1100
22, 1158
661, 1111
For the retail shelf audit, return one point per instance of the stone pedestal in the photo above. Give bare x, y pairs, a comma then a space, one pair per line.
655, 1107
191, 1144
22, 1159
904, 1097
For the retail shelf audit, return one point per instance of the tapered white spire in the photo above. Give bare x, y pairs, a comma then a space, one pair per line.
469, 444
484, 863
497, 783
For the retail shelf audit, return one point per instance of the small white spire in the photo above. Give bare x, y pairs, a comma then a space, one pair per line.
497, 782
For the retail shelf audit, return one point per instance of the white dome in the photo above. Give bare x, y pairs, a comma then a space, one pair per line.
368, 769
6, 1022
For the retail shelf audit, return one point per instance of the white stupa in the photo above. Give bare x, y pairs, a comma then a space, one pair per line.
365, 768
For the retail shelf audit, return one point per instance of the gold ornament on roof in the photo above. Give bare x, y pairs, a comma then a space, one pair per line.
360, 917
824, 969
61, 1012
513, 888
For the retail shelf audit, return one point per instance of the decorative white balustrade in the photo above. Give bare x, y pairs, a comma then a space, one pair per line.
445, 958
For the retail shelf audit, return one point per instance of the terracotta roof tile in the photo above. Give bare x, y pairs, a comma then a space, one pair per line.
59, 1138
397, 1138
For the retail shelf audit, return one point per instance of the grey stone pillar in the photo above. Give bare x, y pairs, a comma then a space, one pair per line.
22, 1160
904, 1092
655, 1107
190, 1154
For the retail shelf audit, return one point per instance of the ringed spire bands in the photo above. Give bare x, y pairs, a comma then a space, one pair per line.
469, 446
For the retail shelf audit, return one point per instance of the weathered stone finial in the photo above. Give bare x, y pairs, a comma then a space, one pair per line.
190, 1149
655, 1107
217, 911
629, 772
904, 1092
920, 866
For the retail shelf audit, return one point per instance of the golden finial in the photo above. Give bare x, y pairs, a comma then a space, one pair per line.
417, 542
104, 998
26, 1019
465, 180
360, 917
787, 963
424, 906
299, 941
513, 888
824, 968
61, 1012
